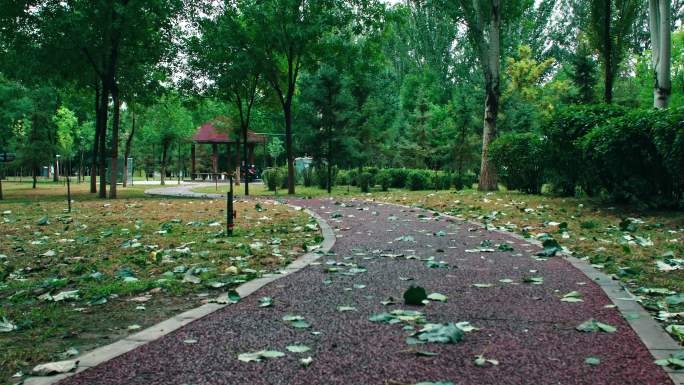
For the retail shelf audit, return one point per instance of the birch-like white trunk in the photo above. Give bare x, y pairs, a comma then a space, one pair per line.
661, 42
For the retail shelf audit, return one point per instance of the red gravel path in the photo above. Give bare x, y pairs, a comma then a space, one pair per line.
525, 327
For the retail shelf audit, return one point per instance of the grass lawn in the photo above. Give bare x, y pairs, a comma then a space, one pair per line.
109, 268
642, 248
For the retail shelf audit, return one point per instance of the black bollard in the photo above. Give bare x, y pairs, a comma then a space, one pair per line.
229, 210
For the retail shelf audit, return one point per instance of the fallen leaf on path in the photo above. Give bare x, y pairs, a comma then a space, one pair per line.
298, 348
481, 360
54, 368
260, 355
592, 325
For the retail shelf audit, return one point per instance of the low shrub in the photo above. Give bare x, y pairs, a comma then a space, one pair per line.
419, 180
272, 177
562, 158
353, 177
342, 178
399, 177
322, 176
365, 181
464, 180
384, 179
668, 136
309, 176
517, 158
625, 162
441, 180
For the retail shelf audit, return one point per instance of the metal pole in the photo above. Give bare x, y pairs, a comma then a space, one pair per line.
230, 211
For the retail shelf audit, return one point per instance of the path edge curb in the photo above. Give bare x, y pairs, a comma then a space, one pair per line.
107, 352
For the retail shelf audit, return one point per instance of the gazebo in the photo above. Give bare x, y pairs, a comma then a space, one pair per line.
222, 130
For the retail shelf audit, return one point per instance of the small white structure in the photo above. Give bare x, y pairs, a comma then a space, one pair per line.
303, 163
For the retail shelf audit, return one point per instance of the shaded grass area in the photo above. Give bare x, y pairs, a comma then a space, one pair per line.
88, 278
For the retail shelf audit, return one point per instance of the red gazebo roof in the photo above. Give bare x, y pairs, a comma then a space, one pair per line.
210, 133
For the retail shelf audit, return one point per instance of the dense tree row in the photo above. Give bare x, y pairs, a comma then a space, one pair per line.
354, 83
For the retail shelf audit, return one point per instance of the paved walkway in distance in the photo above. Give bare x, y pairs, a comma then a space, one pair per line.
524, 326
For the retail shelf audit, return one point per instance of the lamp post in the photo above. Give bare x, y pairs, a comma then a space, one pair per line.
230, 211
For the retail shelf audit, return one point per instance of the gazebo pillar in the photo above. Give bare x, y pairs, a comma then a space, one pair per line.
214, 158
192, 157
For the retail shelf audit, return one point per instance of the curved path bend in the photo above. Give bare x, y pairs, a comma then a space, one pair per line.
524, 326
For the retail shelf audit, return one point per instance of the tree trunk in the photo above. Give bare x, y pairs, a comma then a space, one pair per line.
165, 148
35, 176
127, 150
1, 175
661, 42
96, 141
245, 158
608, 60
55, 175
115, 142
68, 182
102, 147
288, 148
492, 57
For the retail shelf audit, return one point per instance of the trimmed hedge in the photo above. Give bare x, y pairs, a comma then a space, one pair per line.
365, 181
384, 179
626, 163
419, 180
273, 177
464, 180
627, 156
518, 160
562, 154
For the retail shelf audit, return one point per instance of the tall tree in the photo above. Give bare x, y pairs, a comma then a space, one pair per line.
326, 103
167, 122
289, 31
610, 24
225, 54
583, 74
483, 18
107, 44
661, 50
